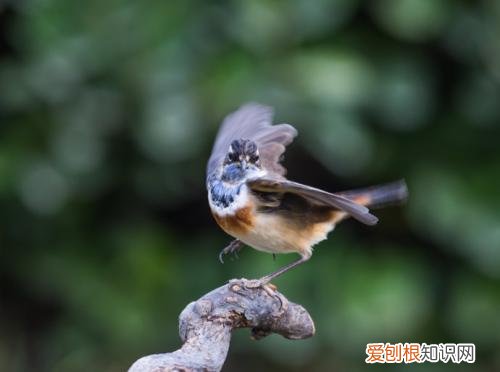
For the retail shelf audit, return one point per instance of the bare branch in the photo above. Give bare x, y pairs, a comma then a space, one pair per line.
205, 325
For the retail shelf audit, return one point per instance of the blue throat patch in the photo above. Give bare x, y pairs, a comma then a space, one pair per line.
222, 195
233, 173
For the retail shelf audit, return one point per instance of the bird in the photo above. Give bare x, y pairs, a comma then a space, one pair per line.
251, 199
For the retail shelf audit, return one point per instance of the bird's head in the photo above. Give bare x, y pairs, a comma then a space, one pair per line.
242, 159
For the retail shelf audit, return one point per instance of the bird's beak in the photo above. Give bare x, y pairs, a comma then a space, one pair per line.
243, 164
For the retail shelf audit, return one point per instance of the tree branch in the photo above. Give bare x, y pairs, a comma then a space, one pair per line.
205, 325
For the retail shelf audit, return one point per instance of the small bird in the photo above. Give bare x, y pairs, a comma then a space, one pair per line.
251, 199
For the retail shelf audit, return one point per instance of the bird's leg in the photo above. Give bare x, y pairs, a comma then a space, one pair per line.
266, 279
233, 247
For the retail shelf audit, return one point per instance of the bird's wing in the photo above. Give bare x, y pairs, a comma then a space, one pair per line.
254, 122
317, 196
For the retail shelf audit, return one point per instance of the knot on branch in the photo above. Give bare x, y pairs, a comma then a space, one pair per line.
205, 325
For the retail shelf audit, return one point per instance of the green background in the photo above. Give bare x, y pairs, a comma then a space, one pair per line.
108, 110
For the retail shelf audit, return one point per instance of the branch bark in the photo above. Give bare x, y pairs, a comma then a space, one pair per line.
205, 325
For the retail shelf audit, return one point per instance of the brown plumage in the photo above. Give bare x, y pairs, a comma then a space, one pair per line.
252, 200
237, 224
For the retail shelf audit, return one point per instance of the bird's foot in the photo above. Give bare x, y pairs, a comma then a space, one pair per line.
233, 248
258, 283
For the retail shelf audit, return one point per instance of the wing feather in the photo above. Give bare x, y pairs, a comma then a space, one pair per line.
358, 211
254, 122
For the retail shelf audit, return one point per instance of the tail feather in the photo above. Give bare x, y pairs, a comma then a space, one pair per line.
379, 196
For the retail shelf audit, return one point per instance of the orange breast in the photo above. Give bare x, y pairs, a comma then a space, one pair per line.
237, 224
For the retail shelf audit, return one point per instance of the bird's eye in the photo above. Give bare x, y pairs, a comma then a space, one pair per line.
254, 158
232, 157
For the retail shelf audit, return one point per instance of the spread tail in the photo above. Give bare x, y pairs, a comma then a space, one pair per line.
379, 196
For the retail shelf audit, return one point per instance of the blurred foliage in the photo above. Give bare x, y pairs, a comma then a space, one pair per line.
107, 114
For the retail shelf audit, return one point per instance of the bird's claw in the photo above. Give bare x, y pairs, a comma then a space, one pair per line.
221, 254
233, 248
256, 283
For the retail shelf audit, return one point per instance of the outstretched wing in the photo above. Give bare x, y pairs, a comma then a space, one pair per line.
254, 122
317, 196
